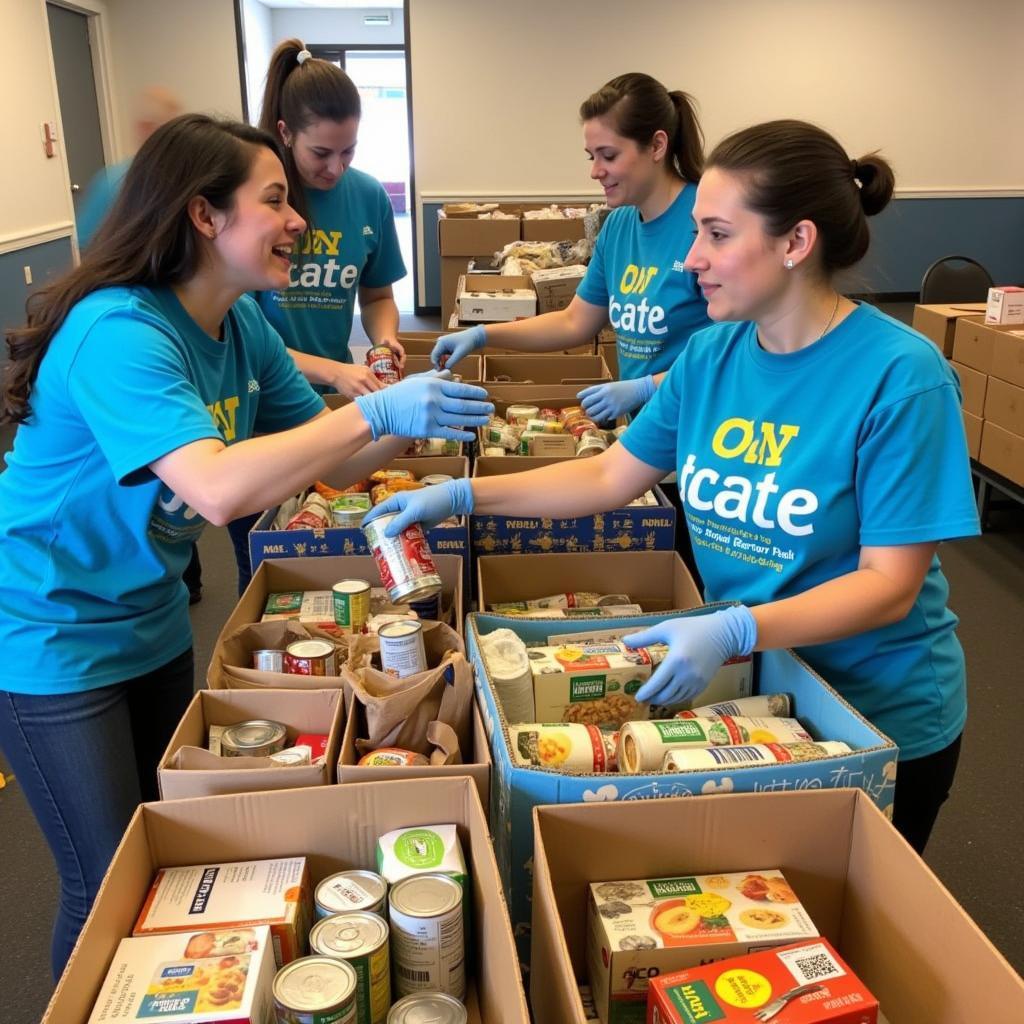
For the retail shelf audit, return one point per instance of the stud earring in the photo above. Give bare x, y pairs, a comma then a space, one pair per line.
789, 264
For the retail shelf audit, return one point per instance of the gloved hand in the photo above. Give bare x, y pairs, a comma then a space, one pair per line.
429, 506
426, 405
698, 645
456, 346
603, 402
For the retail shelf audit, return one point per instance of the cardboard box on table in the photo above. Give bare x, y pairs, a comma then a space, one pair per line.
1008, 356
869, 894
336, 828
610, 353
1004, 405
551, 229
973, 384
1003, 451
975, 343
937, 322
556, 286
547, 369
469, 368
515, 791
495, 298
972, 429
455, 324
275, 575
320, 712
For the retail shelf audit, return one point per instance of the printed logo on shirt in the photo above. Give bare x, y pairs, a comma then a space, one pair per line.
679, 267
254, 386
631, 317
224, 411
323, 275
367, 230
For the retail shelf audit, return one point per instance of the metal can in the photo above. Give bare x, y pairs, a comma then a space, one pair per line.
402, 652
268, 660
347, 510
346, 891
435, 478
589, 444
405, 563
427, 939
255, 738
521, 413
493, 452
315, 990
392, 757
360, 939
310, 658
383, 365
428, 1008
351, 605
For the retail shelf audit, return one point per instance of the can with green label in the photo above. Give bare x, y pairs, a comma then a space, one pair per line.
361, 939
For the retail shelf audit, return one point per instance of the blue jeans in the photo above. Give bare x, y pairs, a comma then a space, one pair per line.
238, 530
85, 760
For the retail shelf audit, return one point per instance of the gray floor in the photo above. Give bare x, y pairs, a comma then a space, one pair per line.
975, 850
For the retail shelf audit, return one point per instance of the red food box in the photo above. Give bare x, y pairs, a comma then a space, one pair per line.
316, 742
803, 983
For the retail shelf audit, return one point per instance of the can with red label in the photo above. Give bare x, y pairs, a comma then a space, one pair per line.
405, 562
381, 361
310, 658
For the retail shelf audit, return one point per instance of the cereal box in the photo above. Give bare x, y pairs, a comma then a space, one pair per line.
241, 894
804, 983
638, 930
220, 977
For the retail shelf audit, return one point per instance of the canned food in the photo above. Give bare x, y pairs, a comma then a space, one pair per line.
310, 658
549, 415
428, 1008
427, 939
346, 891
521, 413
315, 990
360, 939
492, 452
590, 444
405, 563
347, 510
392, 757
402, 652
268, 659
351, 605
431, 479
383, 365
255, 738
582, 426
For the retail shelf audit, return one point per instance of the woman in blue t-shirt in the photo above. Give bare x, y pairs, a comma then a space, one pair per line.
647, 153
137, 386
820, 454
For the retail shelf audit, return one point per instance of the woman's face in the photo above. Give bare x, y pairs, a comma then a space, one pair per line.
627, 172
322, 150
739, 266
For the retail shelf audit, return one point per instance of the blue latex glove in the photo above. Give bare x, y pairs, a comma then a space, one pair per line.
698, 645
456, 346
426, 405
429, 506
603, 402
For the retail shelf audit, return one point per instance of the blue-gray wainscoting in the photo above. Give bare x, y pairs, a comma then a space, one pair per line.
46, 259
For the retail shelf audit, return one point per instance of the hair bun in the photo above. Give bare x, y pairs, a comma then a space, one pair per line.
877, 182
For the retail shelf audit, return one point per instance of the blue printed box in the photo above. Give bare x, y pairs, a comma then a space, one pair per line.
516, 790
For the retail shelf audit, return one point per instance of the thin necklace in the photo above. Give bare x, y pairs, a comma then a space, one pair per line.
835, 309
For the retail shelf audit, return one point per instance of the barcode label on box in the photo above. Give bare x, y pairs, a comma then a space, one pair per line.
410, 975
736, 755
811, 963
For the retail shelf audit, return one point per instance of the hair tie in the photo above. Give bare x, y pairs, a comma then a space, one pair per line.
303, 56
855, 171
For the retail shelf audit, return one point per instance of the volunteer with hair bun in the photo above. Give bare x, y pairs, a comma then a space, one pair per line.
647, 152
820, 454
138, 385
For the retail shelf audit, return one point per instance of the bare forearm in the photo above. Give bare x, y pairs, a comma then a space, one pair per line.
380, 320
315, 369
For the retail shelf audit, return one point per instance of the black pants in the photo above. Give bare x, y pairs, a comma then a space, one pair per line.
193, 574
684, 546
238, 529
922, 786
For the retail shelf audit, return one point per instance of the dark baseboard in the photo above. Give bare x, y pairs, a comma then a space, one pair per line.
426, 310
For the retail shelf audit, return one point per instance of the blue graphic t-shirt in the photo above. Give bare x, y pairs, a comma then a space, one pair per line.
789, 464
351, 241
654, 305
93, 544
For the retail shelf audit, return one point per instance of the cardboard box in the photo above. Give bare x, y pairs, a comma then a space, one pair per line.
515, 791
1008, 356
452, 269
302, 711
469, 368
549, 369
494, 298
476, 762
471, 236
974, 343
419, 364
867, 892
1004, 405
335, 828
556, 287
1002, 451
972, 428
972, 387
279, 574
1005, 306
938, 322
455, 324
610, 353
551, 229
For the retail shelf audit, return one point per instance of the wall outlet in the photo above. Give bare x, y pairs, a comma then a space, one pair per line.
28, 275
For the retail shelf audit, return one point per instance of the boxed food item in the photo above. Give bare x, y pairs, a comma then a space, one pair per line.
1005, 305
434, 849
220, 977
234, 895
495, 298
803, 983
639, 929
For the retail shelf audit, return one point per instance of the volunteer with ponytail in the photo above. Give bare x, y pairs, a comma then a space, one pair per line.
820, 454
137, 386
647, 150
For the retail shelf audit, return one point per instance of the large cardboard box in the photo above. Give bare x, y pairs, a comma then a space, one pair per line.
320, 712
452, 269
973, 384
655, 580
515, 791
335, 828
1008, 356
548, 369
610, 352
972, 428
1004, 405
1002, 451
868, 893
551, 229
495, 298
471, 236
556, 287
469, 368
974, 343
275, 575
938, 322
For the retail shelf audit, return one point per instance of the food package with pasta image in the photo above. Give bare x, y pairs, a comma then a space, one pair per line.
639, 929
564, 746
195, 977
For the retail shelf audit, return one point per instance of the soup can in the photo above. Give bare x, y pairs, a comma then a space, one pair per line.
255, 738
435, 478
383, 365
428, 1008
310, 658
402, 652
360, 939
347, 510
428, 944
315, 990
521, 413
405, 563
268, 660
590, 443
351, 605
346, 891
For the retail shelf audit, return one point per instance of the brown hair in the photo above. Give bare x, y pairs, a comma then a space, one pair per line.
795, 171
146, 239
638, 106
299, 94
